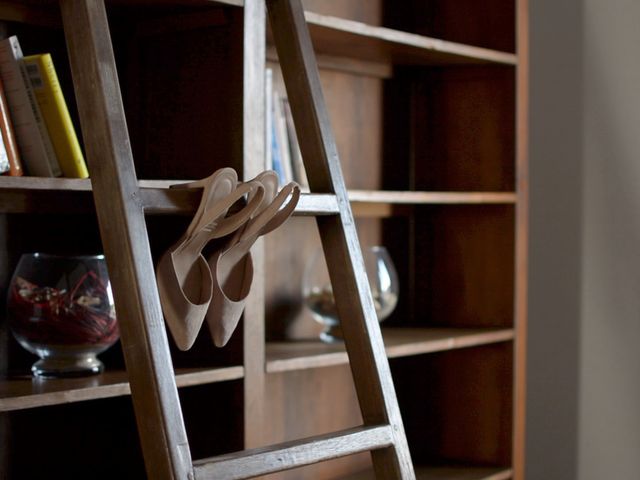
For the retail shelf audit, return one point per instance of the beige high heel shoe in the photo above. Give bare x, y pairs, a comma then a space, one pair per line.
232, 266
185, 283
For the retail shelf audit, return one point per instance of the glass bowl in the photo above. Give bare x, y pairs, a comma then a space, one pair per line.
318, 292
61, 309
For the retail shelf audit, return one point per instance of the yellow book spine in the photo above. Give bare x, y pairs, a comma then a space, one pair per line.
54, 109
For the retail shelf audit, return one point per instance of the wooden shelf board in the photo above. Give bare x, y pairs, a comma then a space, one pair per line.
332, 35
380, 204
24, 392
416, 198
446, 473
68, 195
44, 183
193, 377
399, 342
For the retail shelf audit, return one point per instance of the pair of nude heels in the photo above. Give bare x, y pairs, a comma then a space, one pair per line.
193, 288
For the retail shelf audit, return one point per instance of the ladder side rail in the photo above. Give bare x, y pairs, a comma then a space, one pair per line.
253, 147
363, 339
125, 241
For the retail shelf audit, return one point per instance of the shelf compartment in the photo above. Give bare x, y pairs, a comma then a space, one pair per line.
82, 437
461, 405
28, 392
462, 127
399, 342
485, 23
73, 439
446, 473
45, 195
462, 273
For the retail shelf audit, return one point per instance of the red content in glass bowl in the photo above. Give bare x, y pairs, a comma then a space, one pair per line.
48, 316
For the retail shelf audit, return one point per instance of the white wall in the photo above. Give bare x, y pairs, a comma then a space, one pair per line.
555, 238
609, 421
584, 349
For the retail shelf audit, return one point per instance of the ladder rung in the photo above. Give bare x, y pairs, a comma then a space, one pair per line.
157, 198
317, 204
283, 456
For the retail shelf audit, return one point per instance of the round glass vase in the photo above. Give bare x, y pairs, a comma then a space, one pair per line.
317, 291
61, 309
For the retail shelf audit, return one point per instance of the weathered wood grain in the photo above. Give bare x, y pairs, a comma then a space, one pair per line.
275, 458
123, 231
339, 238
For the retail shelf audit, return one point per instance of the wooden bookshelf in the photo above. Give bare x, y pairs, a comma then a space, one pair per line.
428, 104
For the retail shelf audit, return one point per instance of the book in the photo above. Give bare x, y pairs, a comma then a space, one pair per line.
268, 119
273, 154
46, 87
35, 146
276, 154
283, 152
299, 172
4, 159
9, 144
282, 140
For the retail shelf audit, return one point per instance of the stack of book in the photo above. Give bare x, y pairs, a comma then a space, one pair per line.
38, 136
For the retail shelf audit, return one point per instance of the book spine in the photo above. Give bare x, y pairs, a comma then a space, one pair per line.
8, 136
46, 87
4, 159
281, 138
50, 154
274, 142
276, 157
299, 171
34, 144
268, 118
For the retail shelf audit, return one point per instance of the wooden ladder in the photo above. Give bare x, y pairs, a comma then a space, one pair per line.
120, 214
